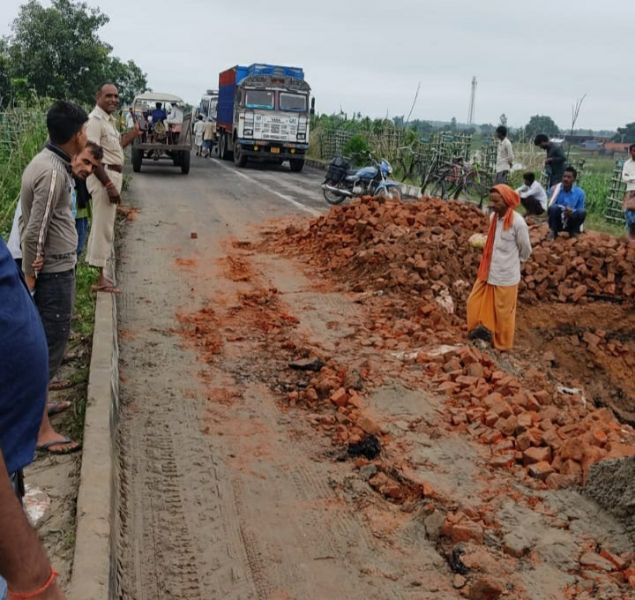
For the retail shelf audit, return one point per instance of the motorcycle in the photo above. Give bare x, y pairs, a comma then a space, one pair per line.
341, 183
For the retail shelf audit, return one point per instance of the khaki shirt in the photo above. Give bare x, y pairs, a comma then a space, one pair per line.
102, 129
209, 133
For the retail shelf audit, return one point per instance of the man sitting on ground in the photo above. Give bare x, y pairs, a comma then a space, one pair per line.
566, 206
532, 195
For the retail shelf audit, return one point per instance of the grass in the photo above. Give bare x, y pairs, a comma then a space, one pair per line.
22, 135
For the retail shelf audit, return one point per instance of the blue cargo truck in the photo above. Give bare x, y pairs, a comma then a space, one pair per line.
263, 114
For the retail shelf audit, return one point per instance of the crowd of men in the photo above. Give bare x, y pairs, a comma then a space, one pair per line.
563, 200
80, 170
491, 306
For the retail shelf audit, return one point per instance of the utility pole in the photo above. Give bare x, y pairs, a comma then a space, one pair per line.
470, 114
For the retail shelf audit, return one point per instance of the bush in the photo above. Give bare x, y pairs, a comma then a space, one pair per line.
357, 148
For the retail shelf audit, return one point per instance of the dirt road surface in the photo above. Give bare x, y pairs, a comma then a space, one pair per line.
230, 489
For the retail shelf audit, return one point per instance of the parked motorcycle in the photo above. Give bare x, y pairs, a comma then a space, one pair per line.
341, 183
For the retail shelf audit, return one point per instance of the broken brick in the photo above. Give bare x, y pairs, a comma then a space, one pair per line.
540, 470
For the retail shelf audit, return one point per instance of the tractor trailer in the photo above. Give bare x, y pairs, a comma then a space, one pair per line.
263, 114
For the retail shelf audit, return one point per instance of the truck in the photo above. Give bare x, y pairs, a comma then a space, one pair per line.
263, 114
207, 106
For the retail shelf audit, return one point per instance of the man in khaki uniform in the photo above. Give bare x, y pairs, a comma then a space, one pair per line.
105, 185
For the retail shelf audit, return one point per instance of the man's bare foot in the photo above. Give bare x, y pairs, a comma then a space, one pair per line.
105, 285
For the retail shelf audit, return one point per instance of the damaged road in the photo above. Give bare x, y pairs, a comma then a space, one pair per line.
303, 418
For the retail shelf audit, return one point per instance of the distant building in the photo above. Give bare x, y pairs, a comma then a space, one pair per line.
592, 145
616, 147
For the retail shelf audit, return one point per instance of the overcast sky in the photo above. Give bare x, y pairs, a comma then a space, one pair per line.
534, 57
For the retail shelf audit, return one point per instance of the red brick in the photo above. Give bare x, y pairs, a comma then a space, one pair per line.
571, 467
556, 481
490, 419
536, 455
552, 439
599, 437
618, 561
463, 531
466, 380
540, 470
503, 461
502, 409
368, 425
572, 449
524, 421
339, 397
523, 441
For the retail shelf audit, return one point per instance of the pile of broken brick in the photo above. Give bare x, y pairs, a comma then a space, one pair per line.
388, 245
410, 253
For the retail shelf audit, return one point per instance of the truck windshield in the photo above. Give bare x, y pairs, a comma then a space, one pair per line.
259, 99
294, 102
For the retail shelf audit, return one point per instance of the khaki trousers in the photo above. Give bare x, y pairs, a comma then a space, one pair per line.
102, 230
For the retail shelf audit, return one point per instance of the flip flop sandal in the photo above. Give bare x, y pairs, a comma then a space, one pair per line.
56, 407
48, 447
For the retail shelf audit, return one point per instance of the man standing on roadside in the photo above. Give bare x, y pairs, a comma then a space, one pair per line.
49, 242
555, 161
628, 177
504, 155
105, 184
23, 382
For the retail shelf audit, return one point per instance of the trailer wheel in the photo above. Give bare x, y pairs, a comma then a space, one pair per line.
296, 164
137, 159
185, 162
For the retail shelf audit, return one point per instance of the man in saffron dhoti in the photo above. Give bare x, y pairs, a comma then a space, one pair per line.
491, 307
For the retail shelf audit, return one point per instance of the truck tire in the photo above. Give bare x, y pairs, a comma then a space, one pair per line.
296, 164
185, 162
240, 160
137, 159
223, 152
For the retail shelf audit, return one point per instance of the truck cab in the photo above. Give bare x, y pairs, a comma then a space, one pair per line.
263, 114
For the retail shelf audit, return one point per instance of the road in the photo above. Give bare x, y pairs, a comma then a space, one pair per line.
223, 492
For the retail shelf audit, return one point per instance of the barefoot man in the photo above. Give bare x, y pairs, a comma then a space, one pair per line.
105, 185
491, 307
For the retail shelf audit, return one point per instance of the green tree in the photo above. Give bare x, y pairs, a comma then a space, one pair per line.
58, 51
541, 124
128, 77
5, 79
625, 134
453, 124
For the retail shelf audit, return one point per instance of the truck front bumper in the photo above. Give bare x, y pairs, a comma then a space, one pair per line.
272, 150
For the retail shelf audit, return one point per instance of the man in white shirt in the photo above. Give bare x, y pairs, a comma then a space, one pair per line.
491, 306
628, 177
504, 155
533, 196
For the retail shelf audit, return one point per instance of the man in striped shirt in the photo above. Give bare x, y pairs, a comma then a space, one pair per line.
49, 241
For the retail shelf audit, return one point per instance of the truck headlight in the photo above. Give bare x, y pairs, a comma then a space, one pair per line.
248, 132
302, 136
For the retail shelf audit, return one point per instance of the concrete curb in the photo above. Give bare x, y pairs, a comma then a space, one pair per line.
91, 576
409, 191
